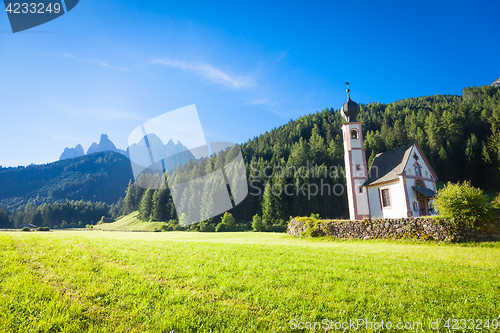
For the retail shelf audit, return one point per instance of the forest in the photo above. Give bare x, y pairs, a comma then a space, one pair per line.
460, 135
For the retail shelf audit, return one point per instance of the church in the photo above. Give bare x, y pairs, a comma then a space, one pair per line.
399, 183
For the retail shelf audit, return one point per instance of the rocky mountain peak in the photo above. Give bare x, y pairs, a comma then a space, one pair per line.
105, 144
496, 83
72, 152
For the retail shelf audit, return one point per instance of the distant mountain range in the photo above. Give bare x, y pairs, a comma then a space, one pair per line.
105, 144
148, 152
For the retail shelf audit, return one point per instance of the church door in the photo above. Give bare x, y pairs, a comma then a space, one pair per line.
422, 204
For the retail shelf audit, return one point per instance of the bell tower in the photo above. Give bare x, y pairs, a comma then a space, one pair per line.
355, 161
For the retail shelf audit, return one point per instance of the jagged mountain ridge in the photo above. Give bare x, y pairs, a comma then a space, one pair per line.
72, 152
139, 151
105, 144
496, 83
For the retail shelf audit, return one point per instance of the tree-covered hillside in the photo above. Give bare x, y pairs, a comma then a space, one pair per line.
459, 134
98, 177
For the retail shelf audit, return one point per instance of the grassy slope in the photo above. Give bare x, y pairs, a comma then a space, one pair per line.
234, 282
130, 222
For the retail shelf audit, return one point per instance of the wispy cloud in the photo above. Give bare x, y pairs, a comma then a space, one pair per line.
262, 101
211, 73
96, 62
282, 56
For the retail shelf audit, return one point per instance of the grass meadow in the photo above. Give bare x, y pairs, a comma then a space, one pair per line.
97, 281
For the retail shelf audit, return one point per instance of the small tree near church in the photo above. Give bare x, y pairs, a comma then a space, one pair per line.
463, 203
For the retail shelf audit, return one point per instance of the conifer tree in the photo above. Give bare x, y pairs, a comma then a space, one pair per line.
146, 205
159, 211
267, 203
130, 198
317, 149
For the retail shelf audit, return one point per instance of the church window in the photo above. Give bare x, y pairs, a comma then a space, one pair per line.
358, 167
354, 133
386, 198
360, 189
419, 183
418, 171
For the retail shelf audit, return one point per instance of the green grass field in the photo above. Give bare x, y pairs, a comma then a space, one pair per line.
97, 281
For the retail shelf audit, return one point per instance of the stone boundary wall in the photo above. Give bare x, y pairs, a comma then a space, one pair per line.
403, 228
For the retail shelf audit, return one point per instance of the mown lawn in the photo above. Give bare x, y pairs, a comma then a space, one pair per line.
97, 281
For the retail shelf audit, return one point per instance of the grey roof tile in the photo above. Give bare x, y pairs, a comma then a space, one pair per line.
388, 165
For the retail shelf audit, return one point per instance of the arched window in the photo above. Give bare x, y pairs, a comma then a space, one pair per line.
418, 171
354, 133
419, 183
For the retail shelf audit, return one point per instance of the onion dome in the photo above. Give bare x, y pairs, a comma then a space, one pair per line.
350, 109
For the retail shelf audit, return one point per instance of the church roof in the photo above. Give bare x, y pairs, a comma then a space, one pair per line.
388, 165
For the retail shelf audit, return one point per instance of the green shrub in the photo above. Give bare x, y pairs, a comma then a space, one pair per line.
166, 227
43, 229
25, 229
228, 219
227, 223
257, 223
496, 201
207, 226
221, 227
157, 230
315, 216
463, 203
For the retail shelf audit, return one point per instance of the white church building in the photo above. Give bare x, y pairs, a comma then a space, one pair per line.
400, 183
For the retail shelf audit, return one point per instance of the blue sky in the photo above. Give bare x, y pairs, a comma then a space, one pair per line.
107, 67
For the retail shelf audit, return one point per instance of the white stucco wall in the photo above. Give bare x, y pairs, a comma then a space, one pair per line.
398, 200
410, 168
361, 198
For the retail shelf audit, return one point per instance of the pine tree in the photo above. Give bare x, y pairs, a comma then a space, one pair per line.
317, 149
267, 203
159, 211
130, 204
146, 205
299, 154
